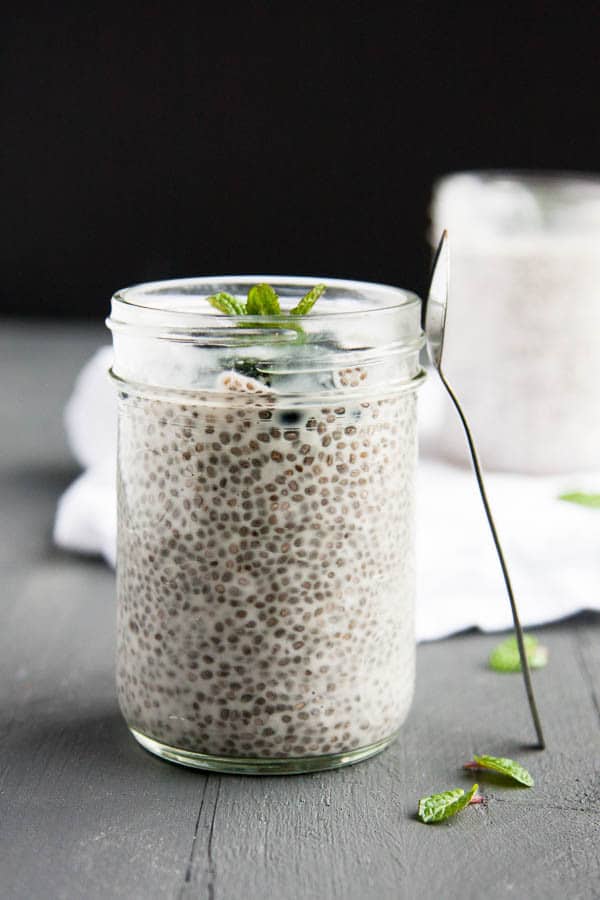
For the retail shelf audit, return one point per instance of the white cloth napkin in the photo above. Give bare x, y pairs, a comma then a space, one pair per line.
552, 547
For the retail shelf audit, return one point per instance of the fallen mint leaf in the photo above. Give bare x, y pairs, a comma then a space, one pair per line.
502, 766
262, 301
591, 500
306, 303
505, 657
438, 807
227, 304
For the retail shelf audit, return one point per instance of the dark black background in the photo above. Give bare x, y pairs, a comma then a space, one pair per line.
158, 140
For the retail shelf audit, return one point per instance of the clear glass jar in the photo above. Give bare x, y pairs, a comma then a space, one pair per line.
266, 523
522, 344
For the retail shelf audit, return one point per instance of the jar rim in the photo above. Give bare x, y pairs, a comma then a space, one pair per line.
130, 300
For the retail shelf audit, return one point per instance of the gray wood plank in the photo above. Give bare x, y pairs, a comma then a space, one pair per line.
85, 812
81, 803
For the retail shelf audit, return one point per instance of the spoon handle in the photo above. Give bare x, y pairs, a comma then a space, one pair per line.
518, 629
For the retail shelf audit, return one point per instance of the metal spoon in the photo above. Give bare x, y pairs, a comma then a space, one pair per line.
434, 321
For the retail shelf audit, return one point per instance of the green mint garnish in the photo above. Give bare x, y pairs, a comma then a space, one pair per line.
590, 500
227, 304
307, 302
262, 301
505, 657
438, 807
502, 766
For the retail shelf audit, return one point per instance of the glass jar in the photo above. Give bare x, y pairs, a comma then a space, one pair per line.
266, 524
522, 345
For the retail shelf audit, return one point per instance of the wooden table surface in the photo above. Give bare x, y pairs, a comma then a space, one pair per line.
86, 813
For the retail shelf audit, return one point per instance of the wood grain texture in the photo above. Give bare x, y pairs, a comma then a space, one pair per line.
85, 812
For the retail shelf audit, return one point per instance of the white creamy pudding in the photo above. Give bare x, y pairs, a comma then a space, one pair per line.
266, 573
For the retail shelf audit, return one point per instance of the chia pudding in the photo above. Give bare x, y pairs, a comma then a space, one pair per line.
265, 566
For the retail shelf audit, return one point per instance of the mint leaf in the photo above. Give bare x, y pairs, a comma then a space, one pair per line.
306, 303
590, 500
438, 807
227, 304
262, 301
503, 766
505, 657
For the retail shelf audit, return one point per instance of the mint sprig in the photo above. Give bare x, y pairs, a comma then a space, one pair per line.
438, 807
582, 499
262, 300
505, 657
503, 766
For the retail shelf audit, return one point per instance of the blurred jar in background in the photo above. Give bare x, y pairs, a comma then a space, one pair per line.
522, 343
